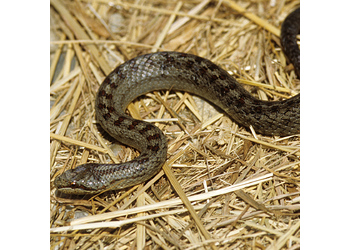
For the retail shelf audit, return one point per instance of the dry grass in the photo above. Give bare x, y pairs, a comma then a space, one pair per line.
223, 187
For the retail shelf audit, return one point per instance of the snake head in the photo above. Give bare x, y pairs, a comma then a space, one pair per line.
80, 180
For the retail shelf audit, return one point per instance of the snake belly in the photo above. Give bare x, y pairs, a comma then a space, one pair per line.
175, 71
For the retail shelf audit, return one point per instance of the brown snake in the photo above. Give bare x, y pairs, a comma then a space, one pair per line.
175, 71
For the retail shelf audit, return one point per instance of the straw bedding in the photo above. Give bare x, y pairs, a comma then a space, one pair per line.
223, 187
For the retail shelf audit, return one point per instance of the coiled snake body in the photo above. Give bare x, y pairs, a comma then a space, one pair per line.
177, 71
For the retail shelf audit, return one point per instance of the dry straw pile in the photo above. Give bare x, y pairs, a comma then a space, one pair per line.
223, 187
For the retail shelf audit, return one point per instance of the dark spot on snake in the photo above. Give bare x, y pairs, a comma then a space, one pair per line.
153, 137
153, 148
109, 96
145, 129
212, 67
222, 77
213, 78
170, 59
107, 116
107, 80
111, 109
119, 121
178, 64
101, 106
134, 67
188, 64
163, 67
121, 75
274, 108
136, 122
114, 85
240, 102
231, 86
102, 93
202, 71
198, 60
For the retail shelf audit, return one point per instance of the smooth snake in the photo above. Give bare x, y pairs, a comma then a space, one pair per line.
184, 72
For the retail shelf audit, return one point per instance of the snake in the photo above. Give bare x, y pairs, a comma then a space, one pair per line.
171, 70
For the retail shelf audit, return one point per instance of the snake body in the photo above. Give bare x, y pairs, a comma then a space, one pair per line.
176, 71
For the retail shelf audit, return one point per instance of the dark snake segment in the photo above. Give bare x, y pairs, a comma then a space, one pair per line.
289, 30
175, 71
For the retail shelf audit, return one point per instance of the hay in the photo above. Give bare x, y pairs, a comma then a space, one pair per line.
225, 187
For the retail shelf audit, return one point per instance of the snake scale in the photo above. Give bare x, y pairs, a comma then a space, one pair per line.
184, 72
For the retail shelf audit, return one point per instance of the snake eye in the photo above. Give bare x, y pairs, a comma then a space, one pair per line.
73, 184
